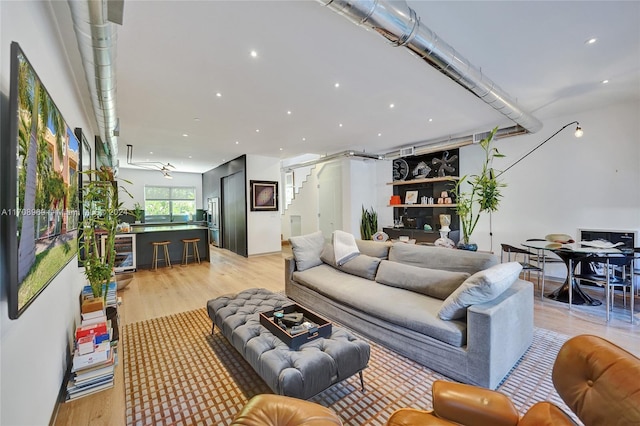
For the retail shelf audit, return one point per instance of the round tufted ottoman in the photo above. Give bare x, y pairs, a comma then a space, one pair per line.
300, 374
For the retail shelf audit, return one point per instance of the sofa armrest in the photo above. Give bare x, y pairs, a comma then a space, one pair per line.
491, 355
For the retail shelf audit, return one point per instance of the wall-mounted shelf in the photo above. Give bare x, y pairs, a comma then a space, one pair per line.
422, 205
424, 180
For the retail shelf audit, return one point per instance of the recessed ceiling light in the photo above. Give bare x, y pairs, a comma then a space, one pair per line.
196, 119
304, 139
392, 106
340, 125
430, 120
281, 149
257, 130
605, 81
237, 143
254, 54
591, 40
185, 135
190, 156
379, 134
336, 85
151, 152
219, 94
289, 112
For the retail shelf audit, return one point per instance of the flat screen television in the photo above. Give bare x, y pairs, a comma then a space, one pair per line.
39, 198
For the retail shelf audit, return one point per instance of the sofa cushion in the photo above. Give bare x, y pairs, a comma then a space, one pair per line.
430, 282
400, 307
362, 265
307, 250
481, 287
441, 258
374, 248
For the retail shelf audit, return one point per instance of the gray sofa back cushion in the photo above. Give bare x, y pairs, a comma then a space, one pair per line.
307, 250
374, 248
441, 258
430, 282
362, 265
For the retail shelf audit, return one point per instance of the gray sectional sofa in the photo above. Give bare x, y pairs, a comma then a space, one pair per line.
459, 313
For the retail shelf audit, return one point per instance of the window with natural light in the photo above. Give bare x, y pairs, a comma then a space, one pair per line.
169, 203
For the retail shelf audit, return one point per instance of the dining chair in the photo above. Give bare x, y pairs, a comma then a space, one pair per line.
614, 276
522, 256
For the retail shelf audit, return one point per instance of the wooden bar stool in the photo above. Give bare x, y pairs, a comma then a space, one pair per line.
185, 250
167, 259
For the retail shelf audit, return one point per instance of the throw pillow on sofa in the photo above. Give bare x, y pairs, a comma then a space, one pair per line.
374, 248
431, 282
480, 287
362, 265
307, 250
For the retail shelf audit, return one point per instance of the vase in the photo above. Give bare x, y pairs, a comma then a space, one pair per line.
467, 246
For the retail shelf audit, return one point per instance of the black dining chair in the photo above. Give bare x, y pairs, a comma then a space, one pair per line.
517, 254
614, 276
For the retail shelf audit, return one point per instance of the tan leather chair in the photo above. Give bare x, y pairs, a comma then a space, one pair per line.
278, 410
596, 379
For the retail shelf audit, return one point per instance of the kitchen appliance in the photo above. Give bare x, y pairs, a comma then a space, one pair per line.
213, 220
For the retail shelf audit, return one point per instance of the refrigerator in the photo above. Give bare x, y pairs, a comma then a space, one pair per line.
213, 222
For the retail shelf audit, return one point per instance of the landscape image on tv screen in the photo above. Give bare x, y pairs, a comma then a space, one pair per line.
45, 216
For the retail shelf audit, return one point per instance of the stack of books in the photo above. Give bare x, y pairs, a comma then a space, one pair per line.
95, 351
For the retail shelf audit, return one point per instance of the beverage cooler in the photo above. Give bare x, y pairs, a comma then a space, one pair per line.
125, 246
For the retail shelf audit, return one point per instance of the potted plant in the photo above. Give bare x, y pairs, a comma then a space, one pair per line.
102, 208
484, 194
137, 212
368, 223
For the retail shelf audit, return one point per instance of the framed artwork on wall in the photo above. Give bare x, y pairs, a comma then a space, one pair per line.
264, 195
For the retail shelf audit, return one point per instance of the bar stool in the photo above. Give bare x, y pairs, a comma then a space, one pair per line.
167, 259
185, 250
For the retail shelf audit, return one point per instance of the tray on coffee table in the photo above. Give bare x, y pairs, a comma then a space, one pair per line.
295, 340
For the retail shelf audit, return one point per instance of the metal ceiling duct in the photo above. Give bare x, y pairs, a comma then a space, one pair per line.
400, 25
97, 43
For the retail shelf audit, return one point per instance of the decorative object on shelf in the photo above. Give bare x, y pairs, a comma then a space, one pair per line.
411, 197
368, 223
264, 195
427, 227
484, 195
421, 170
467, 246
380, 237
101, 207
444, 164
400, 169
395, 200
410, 222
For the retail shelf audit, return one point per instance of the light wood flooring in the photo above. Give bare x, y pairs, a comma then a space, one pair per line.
184, 288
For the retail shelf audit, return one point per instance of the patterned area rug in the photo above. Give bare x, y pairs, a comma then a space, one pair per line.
177, 373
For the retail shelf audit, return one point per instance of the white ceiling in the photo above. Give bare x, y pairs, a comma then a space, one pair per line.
174, 56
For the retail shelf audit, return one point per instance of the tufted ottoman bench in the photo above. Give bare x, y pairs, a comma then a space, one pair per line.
301, 374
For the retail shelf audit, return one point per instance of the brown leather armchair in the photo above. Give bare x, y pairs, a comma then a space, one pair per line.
598, 380
278, 410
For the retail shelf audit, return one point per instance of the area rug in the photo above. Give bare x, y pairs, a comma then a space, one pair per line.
177, 373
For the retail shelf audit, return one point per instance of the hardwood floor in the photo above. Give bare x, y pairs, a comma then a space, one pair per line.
169, 291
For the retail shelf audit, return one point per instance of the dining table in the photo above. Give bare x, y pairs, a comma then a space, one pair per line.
572, 254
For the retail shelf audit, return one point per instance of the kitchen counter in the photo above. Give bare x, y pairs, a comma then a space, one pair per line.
175, 233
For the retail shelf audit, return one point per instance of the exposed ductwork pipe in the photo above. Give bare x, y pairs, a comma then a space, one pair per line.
441, 144
399, 24
97, 44
343, 154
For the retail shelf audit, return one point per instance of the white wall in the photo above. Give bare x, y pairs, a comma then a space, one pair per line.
34, 347
263, 228
592, 182
358, 193
139, 178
